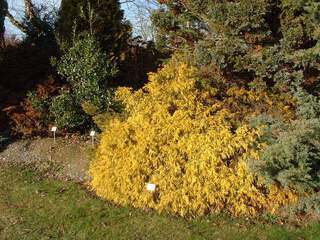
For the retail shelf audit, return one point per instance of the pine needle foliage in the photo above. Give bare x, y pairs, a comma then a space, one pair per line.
293, 159
272, 41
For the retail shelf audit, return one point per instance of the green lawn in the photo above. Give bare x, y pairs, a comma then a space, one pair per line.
36, 208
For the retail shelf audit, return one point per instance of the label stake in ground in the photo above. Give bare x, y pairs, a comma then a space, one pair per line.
92, 134
54, 129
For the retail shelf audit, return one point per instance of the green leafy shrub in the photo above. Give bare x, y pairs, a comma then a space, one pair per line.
88, 71
40, 102
67, 112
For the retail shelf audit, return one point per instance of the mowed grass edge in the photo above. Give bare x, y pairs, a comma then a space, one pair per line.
33, 207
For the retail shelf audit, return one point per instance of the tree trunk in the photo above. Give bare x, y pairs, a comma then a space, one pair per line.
29, 10
3, 10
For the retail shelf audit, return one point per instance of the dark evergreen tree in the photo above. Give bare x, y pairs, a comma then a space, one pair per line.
68, 15
176, 25
102, 18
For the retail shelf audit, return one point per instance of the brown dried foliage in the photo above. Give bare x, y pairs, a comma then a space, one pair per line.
25, 121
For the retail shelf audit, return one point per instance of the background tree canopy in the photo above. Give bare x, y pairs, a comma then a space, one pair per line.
101, 18
275, 41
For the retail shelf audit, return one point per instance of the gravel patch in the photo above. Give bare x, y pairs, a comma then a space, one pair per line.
67, 159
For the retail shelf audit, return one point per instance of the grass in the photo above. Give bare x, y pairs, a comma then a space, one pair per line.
32, 207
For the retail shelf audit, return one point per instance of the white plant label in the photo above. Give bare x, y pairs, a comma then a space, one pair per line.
54, 129
151, 187
92, 133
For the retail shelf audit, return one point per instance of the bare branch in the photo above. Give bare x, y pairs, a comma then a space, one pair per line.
126, 1
140, 16
29, 10
15, 22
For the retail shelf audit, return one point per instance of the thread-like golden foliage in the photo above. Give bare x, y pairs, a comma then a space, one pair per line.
186, 144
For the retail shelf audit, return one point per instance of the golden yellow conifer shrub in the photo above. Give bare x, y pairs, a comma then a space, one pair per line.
184, 141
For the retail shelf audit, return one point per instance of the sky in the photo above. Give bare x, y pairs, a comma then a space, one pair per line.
16, 7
